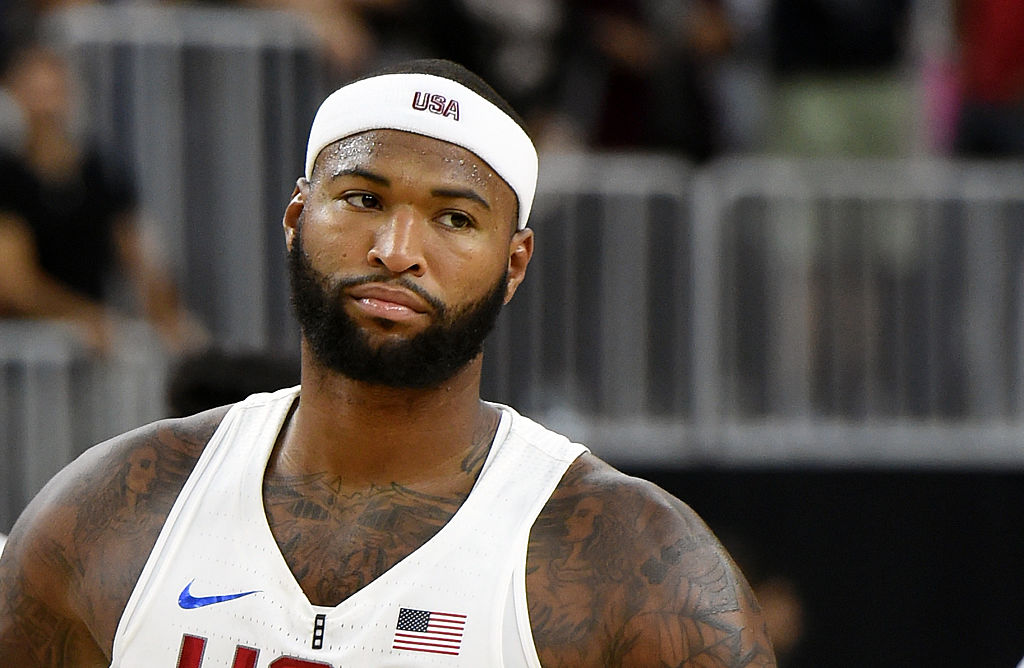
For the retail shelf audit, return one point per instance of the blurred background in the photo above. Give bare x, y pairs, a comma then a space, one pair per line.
779, 267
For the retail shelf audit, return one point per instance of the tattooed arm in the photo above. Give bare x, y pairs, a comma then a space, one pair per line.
622, 574
76, 552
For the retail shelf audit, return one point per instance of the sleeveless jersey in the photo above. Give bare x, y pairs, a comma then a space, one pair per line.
217, 592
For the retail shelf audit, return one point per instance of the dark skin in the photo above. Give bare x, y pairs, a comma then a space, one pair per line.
619, 573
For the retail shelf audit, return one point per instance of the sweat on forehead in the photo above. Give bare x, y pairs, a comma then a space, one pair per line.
349, 152
433, 106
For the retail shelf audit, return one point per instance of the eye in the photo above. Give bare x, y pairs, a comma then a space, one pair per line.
361, 200
455, 219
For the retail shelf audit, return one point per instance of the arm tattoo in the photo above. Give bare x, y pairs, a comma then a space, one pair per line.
77, 559
37, 636
31, 629
621, 577
119, 516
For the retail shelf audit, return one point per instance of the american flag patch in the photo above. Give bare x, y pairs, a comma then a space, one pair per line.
429, 631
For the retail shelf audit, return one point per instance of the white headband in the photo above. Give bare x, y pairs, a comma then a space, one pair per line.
435, 107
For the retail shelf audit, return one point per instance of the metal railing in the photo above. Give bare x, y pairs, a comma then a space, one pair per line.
752, 312
211, 108
775, 311
57, 398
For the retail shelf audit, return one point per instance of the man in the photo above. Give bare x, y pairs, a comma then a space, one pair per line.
381, 515
67, 223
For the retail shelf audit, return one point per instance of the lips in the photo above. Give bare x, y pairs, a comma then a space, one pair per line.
384, 301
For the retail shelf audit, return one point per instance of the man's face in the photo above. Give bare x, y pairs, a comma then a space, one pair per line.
339, 343
401, 254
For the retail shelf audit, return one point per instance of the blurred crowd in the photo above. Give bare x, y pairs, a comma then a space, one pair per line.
695, 78
699, 79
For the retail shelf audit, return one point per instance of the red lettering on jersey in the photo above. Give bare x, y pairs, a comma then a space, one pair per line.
245, 657
193, 647
292, 662
191, 654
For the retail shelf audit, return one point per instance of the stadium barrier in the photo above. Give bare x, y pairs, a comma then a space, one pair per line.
210, 108
754, 312
57, 398
772, 311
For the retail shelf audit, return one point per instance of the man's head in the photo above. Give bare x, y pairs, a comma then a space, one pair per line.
404, 241
439, 99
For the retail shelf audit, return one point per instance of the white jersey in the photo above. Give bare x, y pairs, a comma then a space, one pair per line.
217, 592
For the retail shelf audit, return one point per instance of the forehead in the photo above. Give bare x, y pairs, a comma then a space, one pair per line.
397, 151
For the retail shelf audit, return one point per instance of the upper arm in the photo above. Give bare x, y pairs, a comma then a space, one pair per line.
620, 573
39, 623
75, 554
699, 609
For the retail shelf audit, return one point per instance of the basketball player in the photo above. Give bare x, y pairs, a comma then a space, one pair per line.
381, 514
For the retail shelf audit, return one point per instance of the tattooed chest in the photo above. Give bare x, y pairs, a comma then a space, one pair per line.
336, 544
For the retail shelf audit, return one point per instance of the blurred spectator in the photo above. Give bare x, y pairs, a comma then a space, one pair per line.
360, 35
840, 84
67, 219
342, 27
991, 51
637, 74
512, 45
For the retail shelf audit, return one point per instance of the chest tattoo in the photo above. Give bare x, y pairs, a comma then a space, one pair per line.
336, 540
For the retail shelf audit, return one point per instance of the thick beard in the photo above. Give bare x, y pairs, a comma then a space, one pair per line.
339, 344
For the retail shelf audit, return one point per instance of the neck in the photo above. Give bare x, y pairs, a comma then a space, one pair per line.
369, 434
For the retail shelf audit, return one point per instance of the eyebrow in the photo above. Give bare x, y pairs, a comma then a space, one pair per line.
461, 193
361, 173
450, 193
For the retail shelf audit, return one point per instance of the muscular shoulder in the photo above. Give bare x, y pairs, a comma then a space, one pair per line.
76, 552
621, 573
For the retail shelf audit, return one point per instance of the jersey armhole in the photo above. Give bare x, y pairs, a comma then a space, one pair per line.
522, 615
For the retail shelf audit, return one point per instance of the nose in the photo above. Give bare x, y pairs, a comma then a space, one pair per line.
397, 245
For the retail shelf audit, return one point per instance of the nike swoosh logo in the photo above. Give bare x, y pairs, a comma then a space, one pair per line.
188, 602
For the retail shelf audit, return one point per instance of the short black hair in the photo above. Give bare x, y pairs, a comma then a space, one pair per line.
448, 69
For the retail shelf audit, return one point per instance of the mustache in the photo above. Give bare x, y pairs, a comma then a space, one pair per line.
336, 287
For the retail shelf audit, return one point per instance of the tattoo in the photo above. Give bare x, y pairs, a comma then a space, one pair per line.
619, 576
366, 532
28, 623
63, 592
483, 437
37, 636
121, 515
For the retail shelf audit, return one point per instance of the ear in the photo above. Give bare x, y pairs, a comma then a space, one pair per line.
291, 212
520, 251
